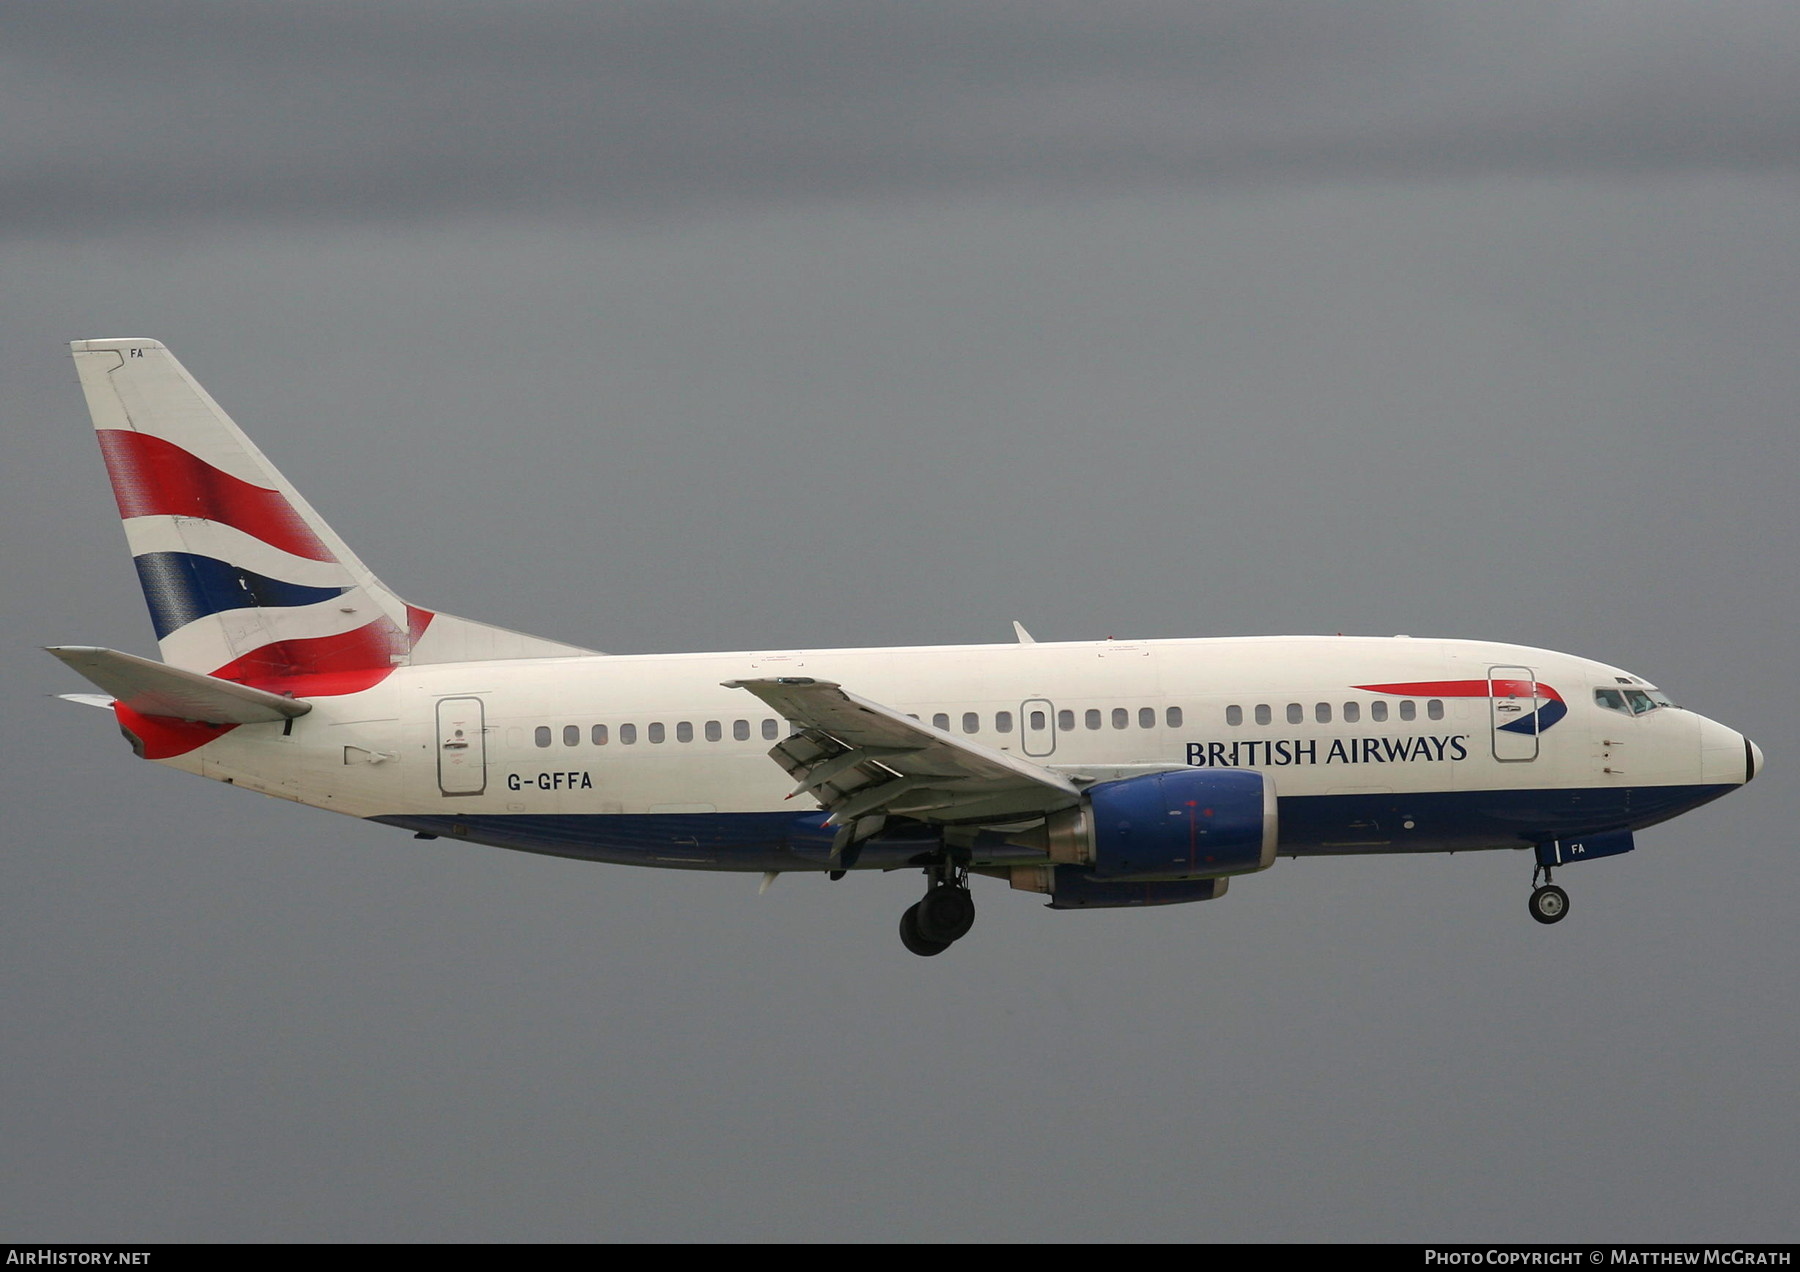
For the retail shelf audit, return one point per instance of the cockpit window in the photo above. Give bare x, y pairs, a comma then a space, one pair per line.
1632, 701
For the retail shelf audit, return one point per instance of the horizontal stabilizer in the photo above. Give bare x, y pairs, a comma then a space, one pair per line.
101, 700
156, 689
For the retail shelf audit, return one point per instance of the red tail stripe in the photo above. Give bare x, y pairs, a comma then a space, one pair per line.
152, 477
317, 666
160, 738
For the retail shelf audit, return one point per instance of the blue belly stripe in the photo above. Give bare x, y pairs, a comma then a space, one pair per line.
1311, 825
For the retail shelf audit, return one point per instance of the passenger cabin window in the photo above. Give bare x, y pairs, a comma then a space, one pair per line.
599, 735
628, 735
1039, 720
654, 733
713, 732
541, 735
1003, 721
571, 735
1378, 711
1322, 712
1263, 713
740, 730
1352, 712
1408, 709
1173, 717
771, 730
1146, 717
1065, 720
1296, 713
1093, 718
1121, 718
971, 722
1234, 716
1434, 708
941, 721
684, 732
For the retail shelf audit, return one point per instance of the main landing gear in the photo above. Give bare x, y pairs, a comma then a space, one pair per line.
945, 915
1549, 903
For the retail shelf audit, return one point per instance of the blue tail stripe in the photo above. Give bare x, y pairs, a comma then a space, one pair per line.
181, 587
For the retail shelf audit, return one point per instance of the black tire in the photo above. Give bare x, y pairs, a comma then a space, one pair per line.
1549, 904
946, 914
915, 940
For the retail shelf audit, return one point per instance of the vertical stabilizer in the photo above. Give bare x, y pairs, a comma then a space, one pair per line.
244, 580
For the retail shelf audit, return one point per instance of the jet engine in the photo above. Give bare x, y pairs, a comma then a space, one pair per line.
1178, 832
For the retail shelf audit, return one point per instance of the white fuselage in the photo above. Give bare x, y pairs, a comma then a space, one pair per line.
659, 742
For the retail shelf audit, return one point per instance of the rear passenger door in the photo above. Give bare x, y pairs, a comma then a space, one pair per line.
462, 746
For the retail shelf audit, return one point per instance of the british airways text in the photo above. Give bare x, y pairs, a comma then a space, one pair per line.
1280, 752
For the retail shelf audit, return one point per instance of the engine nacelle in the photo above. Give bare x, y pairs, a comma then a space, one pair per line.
1180, 825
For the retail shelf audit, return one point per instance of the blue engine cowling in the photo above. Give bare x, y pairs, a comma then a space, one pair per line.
1180, 825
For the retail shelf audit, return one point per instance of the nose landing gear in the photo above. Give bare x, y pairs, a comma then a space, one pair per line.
1549, 903
945, 914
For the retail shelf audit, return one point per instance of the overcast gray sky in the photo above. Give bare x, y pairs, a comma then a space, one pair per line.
696, 326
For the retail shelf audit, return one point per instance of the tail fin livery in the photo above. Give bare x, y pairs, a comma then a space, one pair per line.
244, 580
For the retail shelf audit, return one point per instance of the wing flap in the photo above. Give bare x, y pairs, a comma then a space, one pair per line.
863, 760
156, 689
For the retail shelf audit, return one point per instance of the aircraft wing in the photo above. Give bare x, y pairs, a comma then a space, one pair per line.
864, 761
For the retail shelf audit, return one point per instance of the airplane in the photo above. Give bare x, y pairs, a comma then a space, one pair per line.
1097, 774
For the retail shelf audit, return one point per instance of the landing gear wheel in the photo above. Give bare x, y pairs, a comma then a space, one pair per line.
1549, 903
913, 939
946, 914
